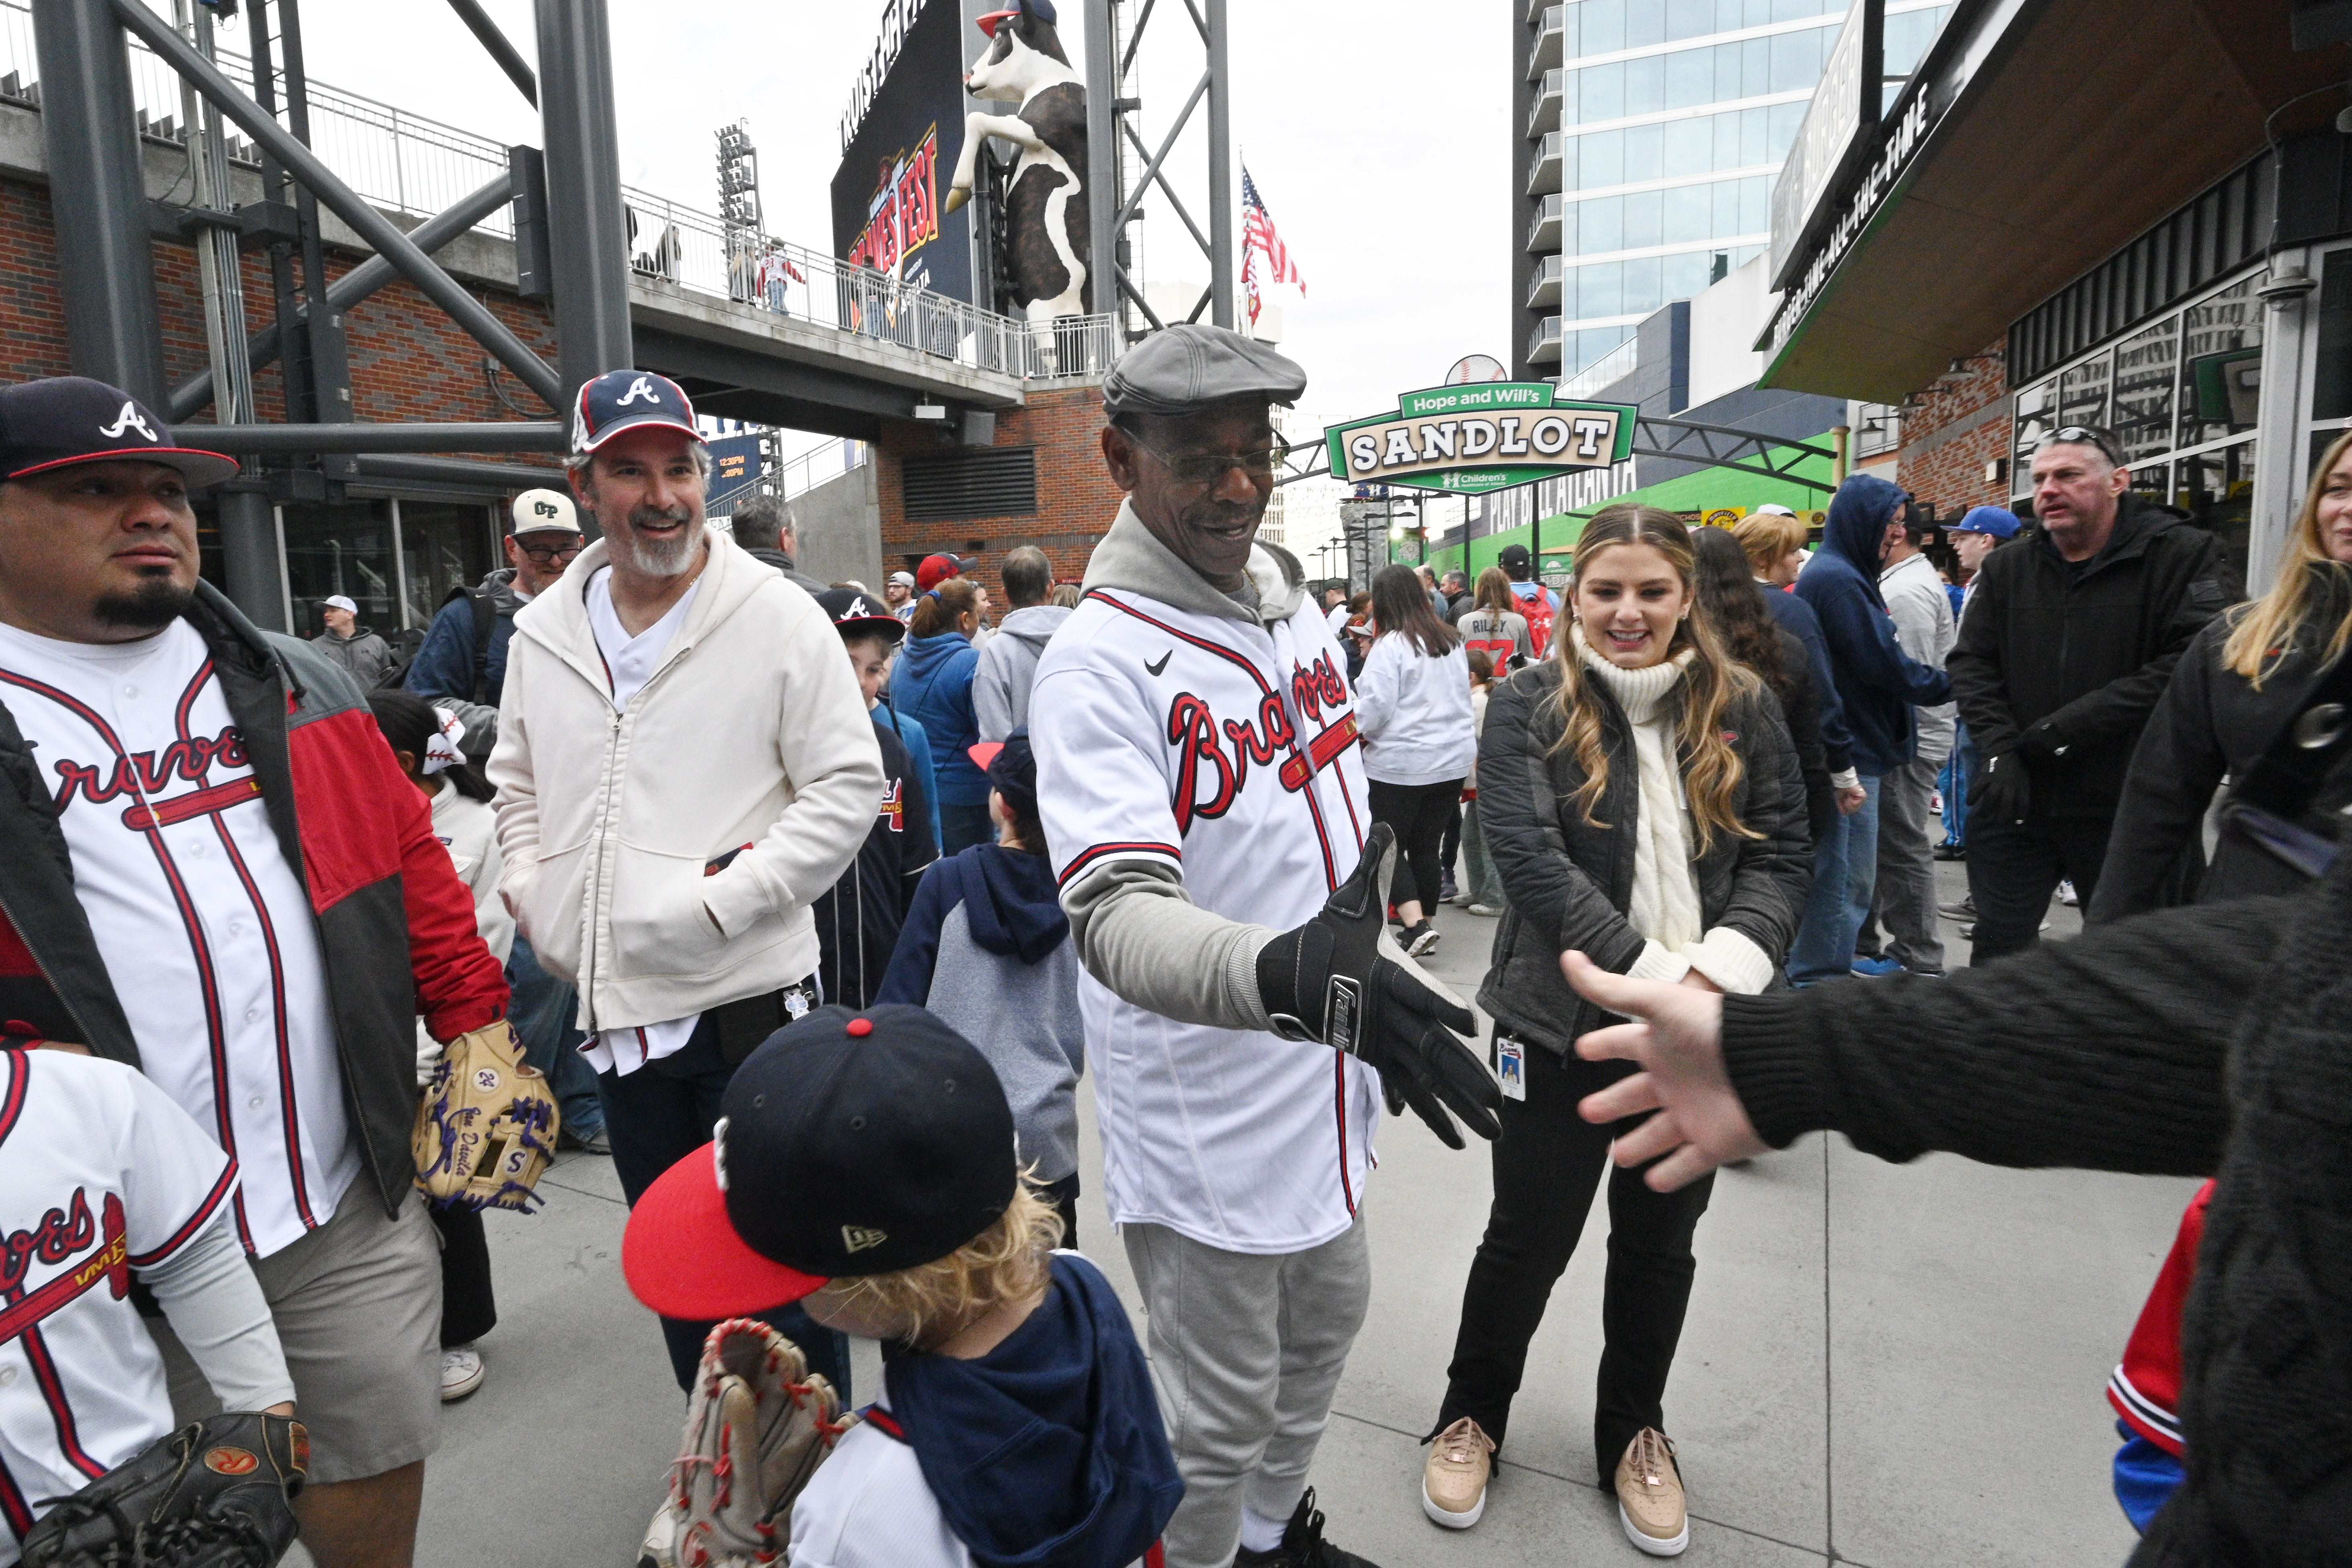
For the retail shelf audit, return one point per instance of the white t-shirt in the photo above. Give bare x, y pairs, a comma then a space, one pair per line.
1228, 752
206, 932
99, 1174
629, 663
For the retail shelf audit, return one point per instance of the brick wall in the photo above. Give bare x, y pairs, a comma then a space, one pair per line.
408, 361
1963, 425
1075, 498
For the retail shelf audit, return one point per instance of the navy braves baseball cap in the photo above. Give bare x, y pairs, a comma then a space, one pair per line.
852, 1143
1011, 766
65, 419
855, 613
622, 400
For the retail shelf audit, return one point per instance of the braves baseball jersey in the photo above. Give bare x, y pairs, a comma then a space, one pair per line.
207, 931
99, 1174
1226, 750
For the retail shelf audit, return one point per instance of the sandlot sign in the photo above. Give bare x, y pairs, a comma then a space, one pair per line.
1488, 435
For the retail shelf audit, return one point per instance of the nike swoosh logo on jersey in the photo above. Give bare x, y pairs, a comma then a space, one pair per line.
1156, 668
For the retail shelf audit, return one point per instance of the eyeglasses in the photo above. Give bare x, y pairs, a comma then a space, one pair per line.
2083, 435
541, 554
1208, 467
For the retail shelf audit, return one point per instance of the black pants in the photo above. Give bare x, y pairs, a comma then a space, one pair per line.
656, 1117
1419, 813
1449, 849
469, 1308
1064, 1195
2013, 868
1547, 1163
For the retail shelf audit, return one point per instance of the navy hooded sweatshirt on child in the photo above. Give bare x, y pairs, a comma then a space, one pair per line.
1877, 682
1047, 1452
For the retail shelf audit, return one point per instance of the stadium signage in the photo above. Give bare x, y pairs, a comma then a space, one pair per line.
1473, 440
897, 16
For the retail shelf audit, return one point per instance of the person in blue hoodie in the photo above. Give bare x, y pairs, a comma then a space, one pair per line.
932, 681
985, 946
1877, 684
866, 1167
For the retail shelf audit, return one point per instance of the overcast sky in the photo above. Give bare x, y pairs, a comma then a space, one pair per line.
1377, 132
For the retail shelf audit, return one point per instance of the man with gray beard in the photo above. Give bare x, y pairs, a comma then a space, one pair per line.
684, 766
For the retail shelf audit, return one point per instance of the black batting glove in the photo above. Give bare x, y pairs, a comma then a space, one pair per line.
1335, 979
2002, 792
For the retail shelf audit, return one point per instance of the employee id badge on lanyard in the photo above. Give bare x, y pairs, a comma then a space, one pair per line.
1511, 1067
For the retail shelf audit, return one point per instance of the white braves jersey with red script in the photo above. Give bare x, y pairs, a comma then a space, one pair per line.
206, 931
99, 1174
1227, 750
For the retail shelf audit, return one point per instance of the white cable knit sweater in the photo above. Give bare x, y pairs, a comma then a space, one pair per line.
1665, 906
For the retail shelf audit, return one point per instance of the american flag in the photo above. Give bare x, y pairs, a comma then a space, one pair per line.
1258, 235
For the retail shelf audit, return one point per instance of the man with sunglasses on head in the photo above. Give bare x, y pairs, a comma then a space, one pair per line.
462, 664
2071, 632
1204, 797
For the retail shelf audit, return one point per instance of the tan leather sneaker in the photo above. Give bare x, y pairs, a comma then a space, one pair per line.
1454, 1482
1650, 1496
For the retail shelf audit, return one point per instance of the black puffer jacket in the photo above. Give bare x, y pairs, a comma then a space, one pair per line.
2065, 670
1802, 712
2211, 721
1570, 882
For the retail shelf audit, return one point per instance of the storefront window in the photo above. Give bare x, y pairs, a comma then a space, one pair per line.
445, 545
2331, 387
2035, 405
2216, 489
2152, 482
2144, 371
2082, 392
2221, 364
340, 548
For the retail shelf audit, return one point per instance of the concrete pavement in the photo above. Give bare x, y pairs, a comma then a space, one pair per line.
1883, 1366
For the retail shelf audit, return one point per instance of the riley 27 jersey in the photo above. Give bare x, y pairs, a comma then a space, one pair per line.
101, 1173
1226, 750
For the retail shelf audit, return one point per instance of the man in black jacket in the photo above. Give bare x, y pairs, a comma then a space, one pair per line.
2071, 632
766, 529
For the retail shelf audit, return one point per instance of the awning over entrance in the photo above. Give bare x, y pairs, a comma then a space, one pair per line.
2040, 137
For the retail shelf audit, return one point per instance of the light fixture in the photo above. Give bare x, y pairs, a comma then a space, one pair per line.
2286, 286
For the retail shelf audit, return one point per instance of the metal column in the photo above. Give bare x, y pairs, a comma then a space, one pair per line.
97, 198
249, 531
1221, 171
586, 218
1103, 195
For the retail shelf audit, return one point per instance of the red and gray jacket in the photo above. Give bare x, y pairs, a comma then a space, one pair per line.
395, 925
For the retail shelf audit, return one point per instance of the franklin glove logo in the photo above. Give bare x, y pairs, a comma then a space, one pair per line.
857, 1238
129, 420
641, 388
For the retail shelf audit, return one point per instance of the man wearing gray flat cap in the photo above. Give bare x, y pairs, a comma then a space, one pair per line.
1203, 794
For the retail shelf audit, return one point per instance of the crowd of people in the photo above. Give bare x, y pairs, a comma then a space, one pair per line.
815, 906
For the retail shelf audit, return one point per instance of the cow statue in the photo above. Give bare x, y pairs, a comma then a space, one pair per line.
1046, 237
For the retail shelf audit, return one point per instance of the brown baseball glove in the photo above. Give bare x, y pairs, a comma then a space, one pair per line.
217, 1493
757, 1427
487, 1125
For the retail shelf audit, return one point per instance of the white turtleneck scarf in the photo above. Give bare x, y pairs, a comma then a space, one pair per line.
1664, 906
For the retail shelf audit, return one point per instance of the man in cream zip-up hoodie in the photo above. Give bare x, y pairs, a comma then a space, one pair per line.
684, 767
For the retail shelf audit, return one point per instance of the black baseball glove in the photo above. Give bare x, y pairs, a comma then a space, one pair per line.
217, 1493
1334, 980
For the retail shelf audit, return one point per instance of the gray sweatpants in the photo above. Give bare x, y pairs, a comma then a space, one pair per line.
1904, 906
1246, 1352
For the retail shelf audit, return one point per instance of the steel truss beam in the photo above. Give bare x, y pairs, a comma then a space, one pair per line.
191, 395
486, 32
1109, 132
279, 440
401, 252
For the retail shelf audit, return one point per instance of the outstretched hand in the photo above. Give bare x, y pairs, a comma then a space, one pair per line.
1675, 1038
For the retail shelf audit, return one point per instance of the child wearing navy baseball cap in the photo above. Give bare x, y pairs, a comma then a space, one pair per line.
865, 1167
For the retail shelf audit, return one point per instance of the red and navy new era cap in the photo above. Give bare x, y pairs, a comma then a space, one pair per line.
65, 419
622, 400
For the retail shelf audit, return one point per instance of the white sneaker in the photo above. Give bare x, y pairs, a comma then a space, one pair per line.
658, 1550
461, 1371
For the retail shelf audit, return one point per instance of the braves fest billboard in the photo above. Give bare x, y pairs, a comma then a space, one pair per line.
900, 140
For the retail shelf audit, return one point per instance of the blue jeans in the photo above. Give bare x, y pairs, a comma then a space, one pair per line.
659, 1115
541, 1010
1845, 873
1959, 774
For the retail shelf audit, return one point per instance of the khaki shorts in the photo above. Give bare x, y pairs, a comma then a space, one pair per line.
358, 1308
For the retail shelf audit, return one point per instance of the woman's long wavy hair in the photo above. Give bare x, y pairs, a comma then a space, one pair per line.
1711, 680
1733, 603
2264, 631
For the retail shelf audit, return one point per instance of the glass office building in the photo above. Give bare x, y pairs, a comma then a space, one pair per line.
1653, 132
